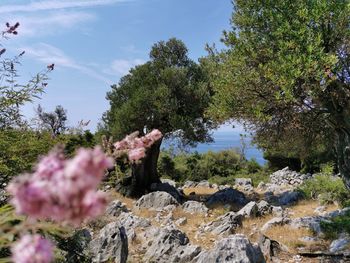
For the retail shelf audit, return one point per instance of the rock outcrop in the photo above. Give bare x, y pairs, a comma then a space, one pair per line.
233, 249
194, 207
156, 200
111, 244
288, 177
223, 225
229, 196
170, 245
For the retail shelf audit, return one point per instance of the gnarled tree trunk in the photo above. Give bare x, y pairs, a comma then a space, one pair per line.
342, 146
143, 174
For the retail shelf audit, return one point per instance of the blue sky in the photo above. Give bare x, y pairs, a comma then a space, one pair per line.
95, 42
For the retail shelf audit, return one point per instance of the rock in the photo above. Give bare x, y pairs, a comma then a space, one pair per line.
339, 212
243, 182
115, 208
223, 187
181, 221
264, 208
168, 181
311, 222
111, 244
170, 245
166, 209
233, 249
193, 207
130, 222
3, 197
77, 246
320, 210
271, 248
225, 224
166, 187
278, 211
288, 177
214, 186
308, 239
274, 222
156, 200
189, 184
228, 196
289, 197
204, 184
261, 186
249, 210
340, 244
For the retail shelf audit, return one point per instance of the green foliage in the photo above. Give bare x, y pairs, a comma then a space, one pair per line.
327, 188
285, 73
20, 149
75, 141
253, 166
169, 93
337, 225
14, 94
218, 167
11, 226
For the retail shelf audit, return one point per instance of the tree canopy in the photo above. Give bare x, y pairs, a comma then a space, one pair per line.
170, 92
285, 73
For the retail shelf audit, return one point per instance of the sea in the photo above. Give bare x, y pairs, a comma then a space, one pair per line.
227, 139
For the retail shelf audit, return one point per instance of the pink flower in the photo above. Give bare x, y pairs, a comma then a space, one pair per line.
121, 145
136, 154
154, 135
63, 190
135, 147
32, 249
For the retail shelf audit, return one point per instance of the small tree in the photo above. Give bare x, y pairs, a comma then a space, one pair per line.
55, 121
12, 94
170, 93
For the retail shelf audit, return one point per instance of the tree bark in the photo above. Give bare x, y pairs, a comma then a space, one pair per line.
143, 174
342, 146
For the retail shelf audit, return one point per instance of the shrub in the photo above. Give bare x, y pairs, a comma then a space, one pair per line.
327, 188
336, 226
253, 166
20, 149
218, 167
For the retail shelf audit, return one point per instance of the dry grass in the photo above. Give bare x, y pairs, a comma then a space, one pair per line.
129, 202
204, 191
145, 213
194, 221
251, 227
306, 208
290, 237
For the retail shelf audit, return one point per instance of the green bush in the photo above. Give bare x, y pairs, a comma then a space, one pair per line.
336, 226
20, 149
218, 167
253, 166
327, 188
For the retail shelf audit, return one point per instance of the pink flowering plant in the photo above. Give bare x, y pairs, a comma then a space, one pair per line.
59, 190
132, 146
63, 191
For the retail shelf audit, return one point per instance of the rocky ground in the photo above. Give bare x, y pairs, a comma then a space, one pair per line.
200, 222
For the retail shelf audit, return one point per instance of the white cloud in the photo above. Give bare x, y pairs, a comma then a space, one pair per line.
121, 67
46, 24
49, 54
55, 5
